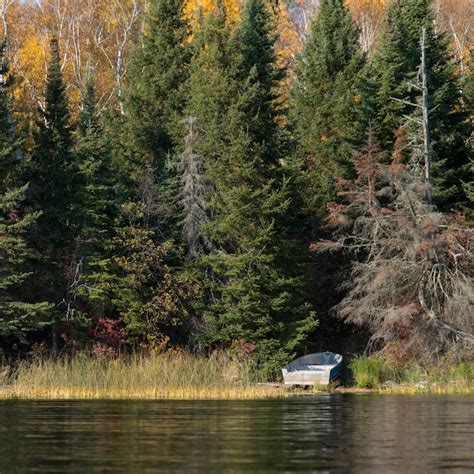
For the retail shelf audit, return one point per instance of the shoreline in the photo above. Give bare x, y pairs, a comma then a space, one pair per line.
257, 392
184, 376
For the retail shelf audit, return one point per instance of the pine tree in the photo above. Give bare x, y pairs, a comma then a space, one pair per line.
395, 67
53, 176
248, 294
17, 316
156, 75
327, 110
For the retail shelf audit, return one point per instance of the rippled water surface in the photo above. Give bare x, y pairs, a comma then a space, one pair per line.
327, 433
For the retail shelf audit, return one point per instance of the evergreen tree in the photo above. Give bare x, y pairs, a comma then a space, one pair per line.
249, 295
17, 316
193, 191
395, 67
327, 111
152, 293
468, 99
97, 207
53, 176
150, 296
255, 43
156, 75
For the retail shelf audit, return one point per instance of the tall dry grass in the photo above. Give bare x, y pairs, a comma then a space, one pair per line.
176, 375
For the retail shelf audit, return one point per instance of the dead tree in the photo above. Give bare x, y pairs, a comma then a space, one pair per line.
193, 191
412, 278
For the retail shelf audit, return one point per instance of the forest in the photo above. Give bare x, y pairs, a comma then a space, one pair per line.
255, 177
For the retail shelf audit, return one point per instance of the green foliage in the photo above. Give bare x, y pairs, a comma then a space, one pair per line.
464, 372
371, 372
52, 173
395, 67
152, 295
327, 110
17, 315
468, 181
185, 217
97, 207
256, 68
156, 75
252, 289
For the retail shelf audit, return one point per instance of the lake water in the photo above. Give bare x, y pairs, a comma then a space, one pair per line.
324, 433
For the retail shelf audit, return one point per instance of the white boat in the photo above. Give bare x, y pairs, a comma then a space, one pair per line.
320, 368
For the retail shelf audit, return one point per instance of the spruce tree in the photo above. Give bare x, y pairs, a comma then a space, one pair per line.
327, 110
53, 177
150, 295
17, 315
395, 67
468, 100
249, 298
97, 209
156, 75
255, 45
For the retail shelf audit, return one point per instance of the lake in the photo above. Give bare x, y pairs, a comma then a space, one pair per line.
323, 433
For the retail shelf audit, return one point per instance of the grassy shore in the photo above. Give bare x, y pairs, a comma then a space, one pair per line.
179, 375
175, 375
378, 374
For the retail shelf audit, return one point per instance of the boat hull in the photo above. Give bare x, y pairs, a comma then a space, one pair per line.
314, 369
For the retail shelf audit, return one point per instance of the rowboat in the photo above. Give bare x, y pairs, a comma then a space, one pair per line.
320, 368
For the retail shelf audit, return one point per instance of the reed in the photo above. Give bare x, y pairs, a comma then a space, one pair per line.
173, 375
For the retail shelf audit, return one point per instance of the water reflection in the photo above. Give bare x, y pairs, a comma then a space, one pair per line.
327, 433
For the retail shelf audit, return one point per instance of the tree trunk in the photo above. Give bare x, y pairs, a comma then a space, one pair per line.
426, 122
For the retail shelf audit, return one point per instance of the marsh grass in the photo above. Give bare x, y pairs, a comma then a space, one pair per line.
174, 375
371, 372
379, 374
180, 375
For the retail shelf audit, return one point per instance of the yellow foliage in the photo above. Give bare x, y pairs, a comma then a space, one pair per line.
288, 44
91, 33
31, 61
364, 5
367, 14
232, 8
